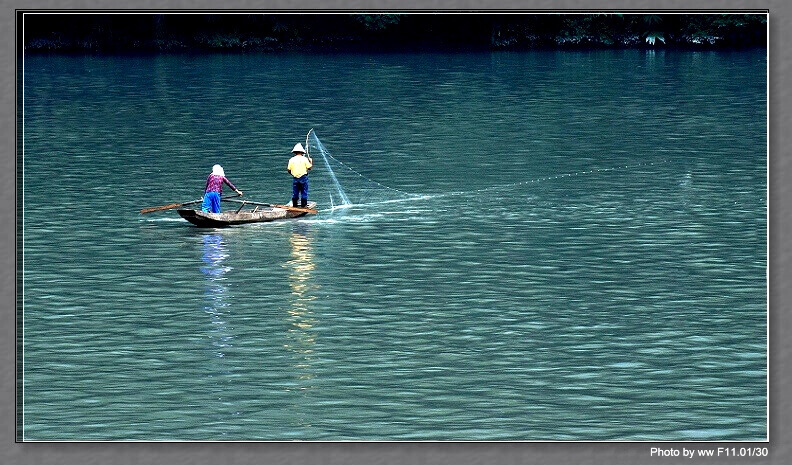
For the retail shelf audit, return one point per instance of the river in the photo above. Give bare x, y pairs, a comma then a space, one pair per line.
577, 249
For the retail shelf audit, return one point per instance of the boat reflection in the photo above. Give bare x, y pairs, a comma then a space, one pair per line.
216, 291
300, 338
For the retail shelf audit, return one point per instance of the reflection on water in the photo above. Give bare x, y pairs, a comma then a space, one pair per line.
216, 304
300, 338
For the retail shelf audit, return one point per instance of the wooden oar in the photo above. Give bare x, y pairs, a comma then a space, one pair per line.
169, 206
285, 207
177, 205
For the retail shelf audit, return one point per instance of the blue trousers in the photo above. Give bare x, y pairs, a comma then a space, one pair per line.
300, 188
211, 202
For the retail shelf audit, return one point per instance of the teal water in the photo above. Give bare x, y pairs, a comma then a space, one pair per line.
585, 258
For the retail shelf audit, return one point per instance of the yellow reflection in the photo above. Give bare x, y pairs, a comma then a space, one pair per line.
300, 337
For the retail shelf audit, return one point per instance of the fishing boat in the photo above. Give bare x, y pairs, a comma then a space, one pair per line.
270, 212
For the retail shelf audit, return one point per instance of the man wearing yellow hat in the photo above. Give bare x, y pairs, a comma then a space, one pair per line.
299, 165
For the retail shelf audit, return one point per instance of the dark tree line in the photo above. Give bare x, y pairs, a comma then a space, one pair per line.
113, 33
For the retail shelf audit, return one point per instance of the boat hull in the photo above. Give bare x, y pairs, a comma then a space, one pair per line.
225, 219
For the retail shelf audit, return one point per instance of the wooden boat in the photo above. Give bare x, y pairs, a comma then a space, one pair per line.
231, 218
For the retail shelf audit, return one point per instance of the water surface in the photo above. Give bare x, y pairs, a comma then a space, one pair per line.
585, 260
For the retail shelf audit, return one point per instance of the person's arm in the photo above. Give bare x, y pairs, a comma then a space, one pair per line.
225, 180
310, 163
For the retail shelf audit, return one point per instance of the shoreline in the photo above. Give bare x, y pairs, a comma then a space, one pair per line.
43, 47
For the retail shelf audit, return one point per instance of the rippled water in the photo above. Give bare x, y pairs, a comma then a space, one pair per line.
586, 261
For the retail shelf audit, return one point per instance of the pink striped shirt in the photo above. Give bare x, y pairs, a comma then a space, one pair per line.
214, 183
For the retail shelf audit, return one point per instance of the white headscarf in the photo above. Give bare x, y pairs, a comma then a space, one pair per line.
217, 170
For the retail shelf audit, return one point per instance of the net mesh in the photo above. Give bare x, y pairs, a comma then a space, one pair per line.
337, 185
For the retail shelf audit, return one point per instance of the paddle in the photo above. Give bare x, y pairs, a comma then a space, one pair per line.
285, 207
177, 205
169, 206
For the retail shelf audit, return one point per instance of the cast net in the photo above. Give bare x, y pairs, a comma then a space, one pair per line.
334, 184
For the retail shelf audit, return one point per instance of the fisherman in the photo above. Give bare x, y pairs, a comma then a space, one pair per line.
299, 165
214, 189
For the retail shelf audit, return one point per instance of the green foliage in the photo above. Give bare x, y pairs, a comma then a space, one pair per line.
265, 32
654, 36
377, 22
726, 22
652, 20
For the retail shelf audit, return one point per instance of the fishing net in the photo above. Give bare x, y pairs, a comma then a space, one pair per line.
337, 185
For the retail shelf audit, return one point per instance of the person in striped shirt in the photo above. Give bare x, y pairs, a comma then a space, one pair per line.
214, 189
